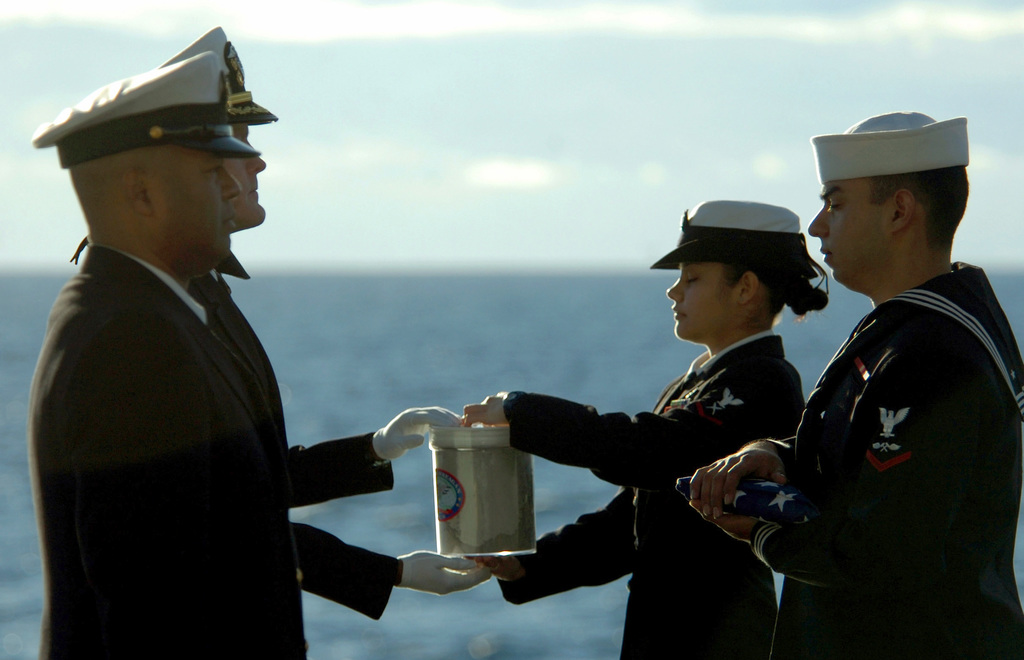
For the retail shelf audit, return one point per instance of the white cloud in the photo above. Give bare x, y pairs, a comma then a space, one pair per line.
319, 162
985, 158
652, 175
328, 20
373, 161
509, 173
377, 154
769, 167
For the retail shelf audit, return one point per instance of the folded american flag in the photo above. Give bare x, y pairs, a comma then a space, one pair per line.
765, 500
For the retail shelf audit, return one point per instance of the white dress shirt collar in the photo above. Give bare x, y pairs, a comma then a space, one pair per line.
706, 360
192, 303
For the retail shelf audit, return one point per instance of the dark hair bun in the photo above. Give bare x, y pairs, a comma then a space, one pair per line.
803, 298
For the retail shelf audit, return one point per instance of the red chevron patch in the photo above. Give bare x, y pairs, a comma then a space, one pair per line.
700, 411
882, 466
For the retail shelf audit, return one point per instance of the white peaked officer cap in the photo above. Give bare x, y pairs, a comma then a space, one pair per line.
760, 236
241, 108
183, 104
893, 143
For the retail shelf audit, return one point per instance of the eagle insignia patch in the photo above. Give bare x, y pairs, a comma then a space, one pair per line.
727, 400
890, 419
885, 455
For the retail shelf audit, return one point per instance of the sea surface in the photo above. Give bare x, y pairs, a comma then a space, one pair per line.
351, 351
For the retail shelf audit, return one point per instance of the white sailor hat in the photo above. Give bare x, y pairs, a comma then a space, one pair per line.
182, 104
759, 236
241, 108
893, 143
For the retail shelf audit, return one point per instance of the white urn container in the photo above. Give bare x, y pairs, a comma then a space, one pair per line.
483, 492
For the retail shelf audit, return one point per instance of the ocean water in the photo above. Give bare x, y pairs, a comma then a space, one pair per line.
351, 352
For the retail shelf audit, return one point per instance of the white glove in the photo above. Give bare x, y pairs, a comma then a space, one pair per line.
407, 430
440, 575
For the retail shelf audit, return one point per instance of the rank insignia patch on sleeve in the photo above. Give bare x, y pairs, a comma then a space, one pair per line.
887, 453
727, 400
890, 418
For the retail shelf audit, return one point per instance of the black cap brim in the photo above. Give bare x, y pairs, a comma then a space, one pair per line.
673, 259
225, 147
775, 251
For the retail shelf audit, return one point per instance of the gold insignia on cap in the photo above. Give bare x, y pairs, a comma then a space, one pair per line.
239, 98
234, 65
156, 132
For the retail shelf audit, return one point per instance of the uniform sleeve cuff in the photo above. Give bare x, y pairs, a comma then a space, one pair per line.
510, 402
762, 531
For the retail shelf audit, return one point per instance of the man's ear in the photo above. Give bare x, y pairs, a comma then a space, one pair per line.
904, 210
135, 186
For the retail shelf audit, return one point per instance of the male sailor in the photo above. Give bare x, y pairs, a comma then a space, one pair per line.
910, 443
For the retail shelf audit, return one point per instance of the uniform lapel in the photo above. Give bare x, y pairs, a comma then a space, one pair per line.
234, 331
676, 389
695, 377
140, 284
238, 371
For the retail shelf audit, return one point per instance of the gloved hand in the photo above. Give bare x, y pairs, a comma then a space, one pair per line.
407, 430
440, 575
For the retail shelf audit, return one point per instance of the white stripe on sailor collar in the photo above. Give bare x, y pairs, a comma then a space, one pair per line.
943, 305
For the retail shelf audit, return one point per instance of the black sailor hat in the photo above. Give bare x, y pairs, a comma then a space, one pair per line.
758, 236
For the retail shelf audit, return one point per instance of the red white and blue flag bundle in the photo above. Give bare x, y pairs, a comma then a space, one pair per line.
765, 500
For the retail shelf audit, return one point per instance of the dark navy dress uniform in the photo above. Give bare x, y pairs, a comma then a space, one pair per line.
162, 500
161, 491
355, 577
911, 448
648, 530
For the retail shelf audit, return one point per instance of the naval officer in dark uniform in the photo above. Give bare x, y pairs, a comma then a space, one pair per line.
739, 263
911, 441
355, 577
161, 499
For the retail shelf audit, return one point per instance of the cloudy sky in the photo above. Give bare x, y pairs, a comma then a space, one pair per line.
525, 134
